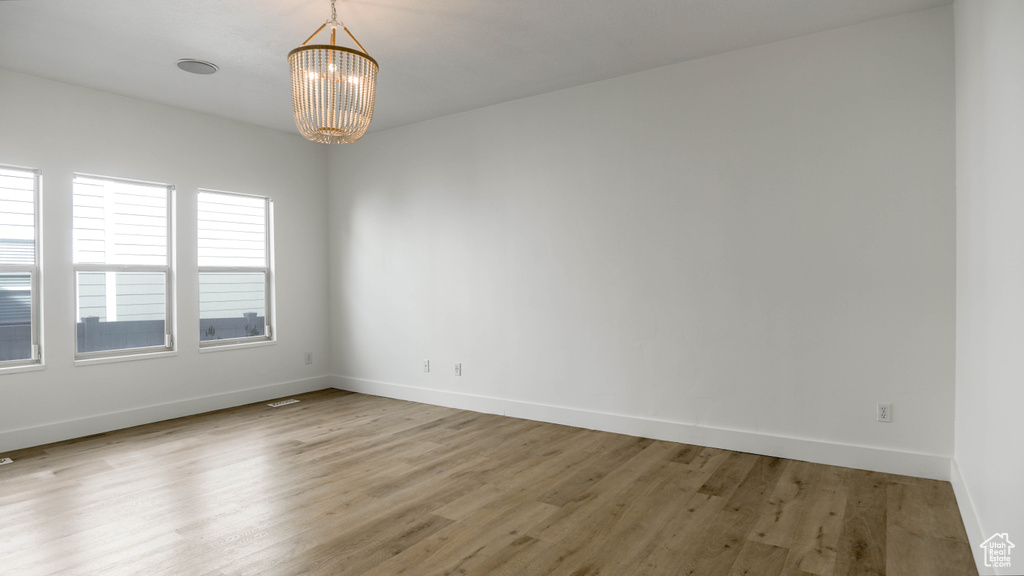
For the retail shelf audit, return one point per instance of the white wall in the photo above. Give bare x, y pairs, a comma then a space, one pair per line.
62, 130
990, 271
747, 250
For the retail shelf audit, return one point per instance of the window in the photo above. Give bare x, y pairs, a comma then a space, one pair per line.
122, 260
19, 267
236, 283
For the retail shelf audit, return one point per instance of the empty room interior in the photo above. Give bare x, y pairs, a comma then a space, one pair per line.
708, 287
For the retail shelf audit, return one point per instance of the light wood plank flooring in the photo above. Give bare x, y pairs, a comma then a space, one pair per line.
348, 484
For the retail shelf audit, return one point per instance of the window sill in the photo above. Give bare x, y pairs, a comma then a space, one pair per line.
124, 358
235, 346
22, 368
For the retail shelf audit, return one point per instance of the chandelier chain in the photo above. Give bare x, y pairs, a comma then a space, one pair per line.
334, 16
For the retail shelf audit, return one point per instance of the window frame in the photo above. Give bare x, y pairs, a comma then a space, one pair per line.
269, 290
34, 271
168, 269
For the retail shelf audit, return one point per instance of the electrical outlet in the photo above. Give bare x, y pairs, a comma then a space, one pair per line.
884, 413
426, 365
6, 461
458, 368
309, 357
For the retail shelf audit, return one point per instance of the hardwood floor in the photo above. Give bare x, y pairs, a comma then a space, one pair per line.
359, 485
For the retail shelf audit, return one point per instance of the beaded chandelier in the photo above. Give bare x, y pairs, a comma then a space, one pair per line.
332, 87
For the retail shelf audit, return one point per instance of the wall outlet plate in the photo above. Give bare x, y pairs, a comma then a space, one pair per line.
426, 365
883, 413
458, 368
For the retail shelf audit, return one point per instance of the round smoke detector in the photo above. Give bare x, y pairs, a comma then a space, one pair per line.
197, 66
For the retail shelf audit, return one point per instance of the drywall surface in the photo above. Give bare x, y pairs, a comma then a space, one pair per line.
63, 130
758, 242
990, 271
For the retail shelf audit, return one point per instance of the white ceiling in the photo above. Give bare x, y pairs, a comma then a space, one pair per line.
436, 57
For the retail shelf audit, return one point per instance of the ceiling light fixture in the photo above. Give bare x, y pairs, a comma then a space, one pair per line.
197, 66
332, 87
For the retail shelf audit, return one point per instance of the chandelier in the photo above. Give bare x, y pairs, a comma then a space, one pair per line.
332, 87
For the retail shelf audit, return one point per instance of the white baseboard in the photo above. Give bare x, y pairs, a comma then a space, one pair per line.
921, 465
68, 429
975, 534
